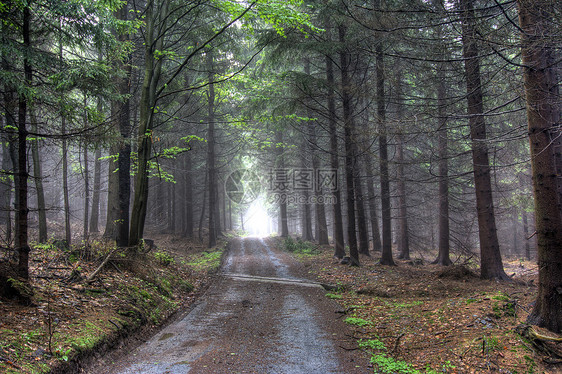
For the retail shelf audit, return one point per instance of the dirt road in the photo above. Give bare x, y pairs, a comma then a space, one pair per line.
260, 316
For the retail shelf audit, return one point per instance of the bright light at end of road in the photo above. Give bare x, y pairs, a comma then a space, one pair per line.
256, 220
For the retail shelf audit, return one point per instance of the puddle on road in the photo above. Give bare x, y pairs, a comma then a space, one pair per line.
166, 336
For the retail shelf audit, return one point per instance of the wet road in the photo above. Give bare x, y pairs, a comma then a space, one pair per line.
258, 317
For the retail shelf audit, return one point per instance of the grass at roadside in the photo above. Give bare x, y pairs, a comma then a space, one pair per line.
71, 316
416, 318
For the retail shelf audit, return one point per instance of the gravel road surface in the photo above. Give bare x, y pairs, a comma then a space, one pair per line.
260, 316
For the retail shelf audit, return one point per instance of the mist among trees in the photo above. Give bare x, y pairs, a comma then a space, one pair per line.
380, 128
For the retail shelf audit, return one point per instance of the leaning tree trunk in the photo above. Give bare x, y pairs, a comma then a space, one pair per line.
349, 149
339, 249
152, 71
537, 52
491, 266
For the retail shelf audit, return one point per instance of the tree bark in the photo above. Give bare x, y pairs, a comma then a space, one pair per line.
339, 249
94, 219
212, 186
122, 113
188, 197
403, 232
110, 231
86, 192
152, 72
282, 201
22, 175
6, 191
349, 148
386, 257
491, 266
38, 178
537, 52
66, 199
362, 229
375, 233
443, 177
526, 234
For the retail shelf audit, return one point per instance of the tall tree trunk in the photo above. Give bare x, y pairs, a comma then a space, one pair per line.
321, 225
6, 193
443, 177
94, 219
443, 152
66, 199
339, 249
282, 201
386, 258
375, 233
86, 192
121, 114
349, 148
491, 266
22, 175
403, 232
188, 197
526, 234
362, 229
38, 178
203, 207
306, 211
152, 71
211, 167
112, 216
537, 53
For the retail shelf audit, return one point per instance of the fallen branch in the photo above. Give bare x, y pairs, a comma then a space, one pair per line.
396, 343
91, 276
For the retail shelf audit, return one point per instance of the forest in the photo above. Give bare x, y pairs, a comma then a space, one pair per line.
383, 130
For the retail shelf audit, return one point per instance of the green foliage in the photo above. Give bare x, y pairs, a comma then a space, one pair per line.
333, 296
372, 344
357, 321
300, 247
389, 365
207, 261
164, 258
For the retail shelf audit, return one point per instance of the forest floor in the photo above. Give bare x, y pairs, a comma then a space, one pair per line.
411, 318
422, 318
72, 320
